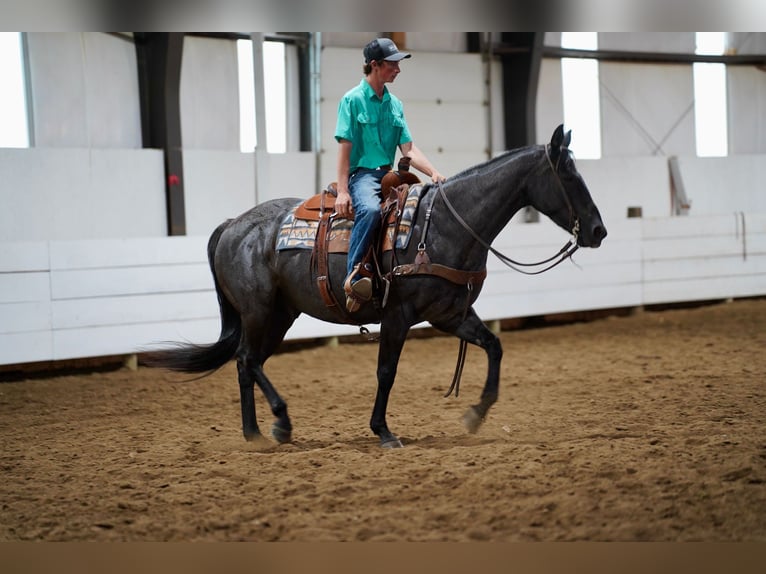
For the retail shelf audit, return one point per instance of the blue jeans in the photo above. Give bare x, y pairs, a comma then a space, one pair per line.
364, 187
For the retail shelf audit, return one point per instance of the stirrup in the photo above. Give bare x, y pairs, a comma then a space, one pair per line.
358, 292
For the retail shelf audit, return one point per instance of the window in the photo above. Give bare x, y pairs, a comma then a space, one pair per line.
275, 96
14, 130
710, 123
582, 110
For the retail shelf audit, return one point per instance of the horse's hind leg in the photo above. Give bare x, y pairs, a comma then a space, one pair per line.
251, 372
260, 346
246, 377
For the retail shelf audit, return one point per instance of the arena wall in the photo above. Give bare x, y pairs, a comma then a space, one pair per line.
67, 299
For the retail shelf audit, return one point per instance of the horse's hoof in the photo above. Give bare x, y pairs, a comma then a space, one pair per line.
281, 435
472, 420
252, 436
391, 443
258, 442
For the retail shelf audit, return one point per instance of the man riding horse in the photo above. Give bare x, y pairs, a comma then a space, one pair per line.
369, 128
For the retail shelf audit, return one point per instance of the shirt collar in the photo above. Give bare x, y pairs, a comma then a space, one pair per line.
370, 93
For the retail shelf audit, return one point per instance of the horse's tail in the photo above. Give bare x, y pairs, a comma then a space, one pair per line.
192, 358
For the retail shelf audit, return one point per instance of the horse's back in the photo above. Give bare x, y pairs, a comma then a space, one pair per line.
245, 250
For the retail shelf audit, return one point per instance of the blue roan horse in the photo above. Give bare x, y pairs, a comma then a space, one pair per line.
262, 291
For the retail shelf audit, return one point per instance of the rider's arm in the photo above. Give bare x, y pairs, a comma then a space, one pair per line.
343, 201
420, 161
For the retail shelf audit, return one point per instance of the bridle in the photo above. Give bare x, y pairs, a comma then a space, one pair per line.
564, 253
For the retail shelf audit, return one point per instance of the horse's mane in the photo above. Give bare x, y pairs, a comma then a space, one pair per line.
492, 164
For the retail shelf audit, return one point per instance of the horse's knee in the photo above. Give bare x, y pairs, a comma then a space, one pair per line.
386, 375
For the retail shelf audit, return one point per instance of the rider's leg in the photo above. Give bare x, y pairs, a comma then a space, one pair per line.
364, 186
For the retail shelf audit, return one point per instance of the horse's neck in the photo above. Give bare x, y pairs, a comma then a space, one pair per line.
488, 196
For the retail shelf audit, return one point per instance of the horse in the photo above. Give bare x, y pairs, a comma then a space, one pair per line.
261, 291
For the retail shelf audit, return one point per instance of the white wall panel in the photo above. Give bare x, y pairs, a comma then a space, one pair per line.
531, 303
129, 252
724, 185
121, 339
219, 185
81, 283
209, 94
25, 317
29, 347
746, 94
286, 175
745, 42
696, 267
84, 90
449, 126
550, 101
703, 288
646, 109
132, 309
55, 194
24, 287
58, 94
566, 277
432, 76
111, 91
698, 225
713, 259
25, 256
618, 183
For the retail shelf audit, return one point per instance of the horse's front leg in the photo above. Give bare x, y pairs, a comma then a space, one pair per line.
473, 330
392, 339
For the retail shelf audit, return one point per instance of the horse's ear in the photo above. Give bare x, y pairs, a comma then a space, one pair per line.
556, 142
558, 138
567, 138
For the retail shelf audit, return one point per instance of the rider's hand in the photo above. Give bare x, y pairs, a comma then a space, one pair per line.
436, 177
343, 205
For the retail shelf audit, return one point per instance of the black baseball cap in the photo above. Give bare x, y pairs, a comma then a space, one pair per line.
383, 49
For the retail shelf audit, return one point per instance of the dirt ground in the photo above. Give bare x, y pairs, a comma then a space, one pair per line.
646, 426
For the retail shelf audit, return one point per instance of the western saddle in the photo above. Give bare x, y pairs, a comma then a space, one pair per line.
321, 208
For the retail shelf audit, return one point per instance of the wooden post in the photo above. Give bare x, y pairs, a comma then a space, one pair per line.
131, 362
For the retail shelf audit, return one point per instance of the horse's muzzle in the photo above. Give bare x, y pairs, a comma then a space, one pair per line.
593, 236
598, 233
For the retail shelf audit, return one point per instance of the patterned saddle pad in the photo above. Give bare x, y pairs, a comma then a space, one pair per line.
297, 233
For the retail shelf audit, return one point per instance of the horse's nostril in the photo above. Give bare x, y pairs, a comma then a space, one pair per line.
599, 232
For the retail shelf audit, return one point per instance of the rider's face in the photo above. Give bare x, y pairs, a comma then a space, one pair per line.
388, 70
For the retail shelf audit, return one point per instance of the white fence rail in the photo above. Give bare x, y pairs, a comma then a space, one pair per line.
72, 299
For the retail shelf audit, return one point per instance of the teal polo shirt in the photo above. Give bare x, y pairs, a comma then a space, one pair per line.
375, 126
